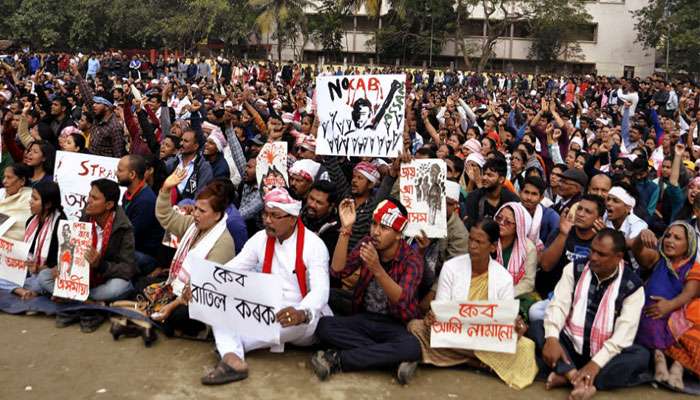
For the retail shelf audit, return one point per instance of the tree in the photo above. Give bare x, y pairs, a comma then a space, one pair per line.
40, 22
275, 13
374, 11
672, 25
327, 28
555, 28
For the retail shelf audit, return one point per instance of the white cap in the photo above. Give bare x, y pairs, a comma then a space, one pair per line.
452, 190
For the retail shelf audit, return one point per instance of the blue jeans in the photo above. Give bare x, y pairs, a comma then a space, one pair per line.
31, 283
145, 263
112, 290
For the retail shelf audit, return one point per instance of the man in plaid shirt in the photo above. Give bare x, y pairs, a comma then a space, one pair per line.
384, 300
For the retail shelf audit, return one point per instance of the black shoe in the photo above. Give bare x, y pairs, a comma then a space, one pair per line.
64, 319
90, 322
406, 371
325, 363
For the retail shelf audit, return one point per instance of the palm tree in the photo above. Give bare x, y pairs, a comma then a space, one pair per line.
374, 10
276, 12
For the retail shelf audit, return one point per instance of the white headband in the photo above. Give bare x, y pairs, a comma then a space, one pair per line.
622, 194
290, 208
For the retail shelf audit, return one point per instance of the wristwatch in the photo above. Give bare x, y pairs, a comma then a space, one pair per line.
307, 315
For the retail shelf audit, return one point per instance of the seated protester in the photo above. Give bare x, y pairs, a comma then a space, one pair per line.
111, 259
600, 185
566, 245
587, 336
620, 216
671, 198
320, 214
139, 203
75, 143
213, 153
202, 234
384, 299
45, 205
671, 323
198, 169
40, 156
518, 253
485, 201
648, 190
471, 277
301, 178
544, 219
15, 197
304, 290
234, 223
572, 184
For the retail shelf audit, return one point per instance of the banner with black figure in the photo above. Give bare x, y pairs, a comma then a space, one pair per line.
360, 115
244, 302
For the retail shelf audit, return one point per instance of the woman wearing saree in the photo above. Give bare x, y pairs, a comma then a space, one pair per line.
670, 324
476, 276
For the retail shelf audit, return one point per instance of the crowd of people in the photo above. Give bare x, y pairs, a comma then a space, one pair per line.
576, 195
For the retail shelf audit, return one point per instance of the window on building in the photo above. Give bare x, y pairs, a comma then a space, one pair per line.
474, 27
366, 24
348, 23
587, 33
521, 29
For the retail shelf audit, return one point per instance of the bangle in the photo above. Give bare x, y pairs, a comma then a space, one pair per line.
345, 231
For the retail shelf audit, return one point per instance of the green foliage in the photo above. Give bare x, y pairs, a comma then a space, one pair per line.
284, 17
673, 22
327, 28
554, 28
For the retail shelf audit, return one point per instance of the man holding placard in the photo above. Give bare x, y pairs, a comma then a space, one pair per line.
587, 336
288, 249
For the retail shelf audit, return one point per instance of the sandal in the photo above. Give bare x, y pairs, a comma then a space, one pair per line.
223, 373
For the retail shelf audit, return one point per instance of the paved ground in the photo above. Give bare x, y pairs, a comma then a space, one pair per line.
38, 361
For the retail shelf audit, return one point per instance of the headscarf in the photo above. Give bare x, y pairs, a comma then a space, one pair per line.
307, 169
523, 220
473, 145
280, 198
368, 170
388, 214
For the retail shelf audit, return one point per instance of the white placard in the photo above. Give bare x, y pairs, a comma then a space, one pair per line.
242, 302
13, 257
74, 172
422, 186
475, 325
6, 222
271, 167
73, 281
360, 115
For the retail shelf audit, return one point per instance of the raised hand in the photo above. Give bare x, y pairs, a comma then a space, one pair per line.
174, 179
346, 212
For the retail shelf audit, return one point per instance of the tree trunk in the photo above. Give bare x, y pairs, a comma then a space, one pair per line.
376, 37
460, 39
279, 39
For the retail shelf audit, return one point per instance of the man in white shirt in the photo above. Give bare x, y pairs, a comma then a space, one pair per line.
305, 284
587, 336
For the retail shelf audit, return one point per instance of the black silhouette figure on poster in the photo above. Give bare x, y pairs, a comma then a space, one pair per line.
430, 188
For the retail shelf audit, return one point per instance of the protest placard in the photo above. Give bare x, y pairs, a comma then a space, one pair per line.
271, 167
73, 281
475, 325
13, 255
74, 172
422, 187
360, 115
6, 223
240, 301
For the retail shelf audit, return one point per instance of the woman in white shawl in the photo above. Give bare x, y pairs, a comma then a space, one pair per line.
517, 253
474, 277
40, 236
202, 235
14, 199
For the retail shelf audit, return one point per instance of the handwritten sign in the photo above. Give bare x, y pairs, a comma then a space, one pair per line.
422, 187
74, 172
243, 302
271, 167
6, 223
13, 255
73, 281
475, 325
360, 115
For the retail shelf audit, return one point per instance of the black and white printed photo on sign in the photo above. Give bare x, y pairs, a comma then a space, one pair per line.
360, 115
422, 186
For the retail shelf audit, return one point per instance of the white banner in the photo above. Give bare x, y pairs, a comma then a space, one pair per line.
13, 257
360, 115
73, 281
243, 302
271, 167
422, 185
475, 325
74, 172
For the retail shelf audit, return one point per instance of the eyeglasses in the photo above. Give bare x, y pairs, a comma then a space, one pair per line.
504, 222
273, 217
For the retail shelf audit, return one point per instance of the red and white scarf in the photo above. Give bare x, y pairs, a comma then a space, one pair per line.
534, 232
179, 274
299, 266
604, 320
42, 235
516, 263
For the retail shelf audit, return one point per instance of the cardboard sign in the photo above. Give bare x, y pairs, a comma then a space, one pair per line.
13, 255
6, 223
73, 281
74, 172
243, 302
475, 325
360, 115
271, 167
422, 187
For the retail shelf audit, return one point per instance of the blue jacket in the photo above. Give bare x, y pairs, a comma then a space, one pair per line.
550, 222
141, 211
236, 227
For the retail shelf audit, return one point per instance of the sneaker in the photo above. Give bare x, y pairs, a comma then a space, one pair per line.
406, 371
90, 322
325, 363
64, 319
